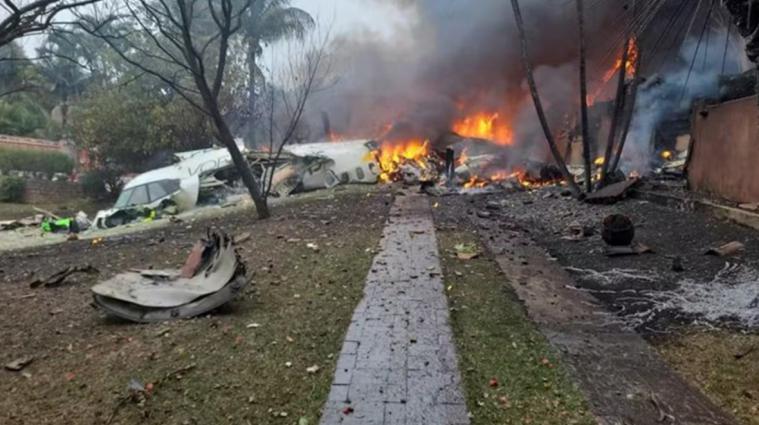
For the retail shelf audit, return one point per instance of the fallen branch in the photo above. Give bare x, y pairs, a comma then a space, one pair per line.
57, 279
122, 401
660, 406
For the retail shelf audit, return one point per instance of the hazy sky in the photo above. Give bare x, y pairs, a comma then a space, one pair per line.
381, 18
343, 15
349, 15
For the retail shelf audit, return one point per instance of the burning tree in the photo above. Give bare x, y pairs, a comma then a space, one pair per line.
629, 63
186, 44
304, 72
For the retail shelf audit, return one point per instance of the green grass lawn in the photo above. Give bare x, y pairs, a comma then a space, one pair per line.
511, 374
266, 358
724, 364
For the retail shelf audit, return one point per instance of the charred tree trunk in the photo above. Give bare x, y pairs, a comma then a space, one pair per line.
628, 117
241, 164
584, 99
619, 107
538, 104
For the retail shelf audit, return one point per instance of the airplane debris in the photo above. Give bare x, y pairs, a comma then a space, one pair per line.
612, 193
154, 296
727, 249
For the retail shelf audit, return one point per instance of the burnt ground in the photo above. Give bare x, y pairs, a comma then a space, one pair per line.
708, 348
546, 216
245, 363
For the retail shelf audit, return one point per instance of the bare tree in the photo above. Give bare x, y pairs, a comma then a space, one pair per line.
186, 44
627, 121
538, 104
32, 16
304, 73
619, 107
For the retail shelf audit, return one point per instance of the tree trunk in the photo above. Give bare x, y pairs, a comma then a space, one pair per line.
539, 106
250, 126
619, 106
629, 116
241, 164
584, 99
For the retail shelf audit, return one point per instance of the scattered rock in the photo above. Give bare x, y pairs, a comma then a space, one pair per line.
467, 251
493, 205
19, 364
618, 230
677, 264
484, 214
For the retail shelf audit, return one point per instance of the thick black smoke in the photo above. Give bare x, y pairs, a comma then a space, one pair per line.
463, 57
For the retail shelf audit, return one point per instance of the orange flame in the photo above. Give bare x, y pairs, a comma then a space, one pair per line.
633, 53
476, 183
463, 158
392, 155
485, 126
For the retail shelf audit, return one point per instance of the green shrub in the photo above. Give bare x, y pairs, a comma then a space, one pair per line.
11, 189
101, 184
35, 161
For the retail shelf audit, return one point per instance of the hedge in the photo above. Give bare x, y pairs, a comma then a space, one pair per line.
35, 161
11, 189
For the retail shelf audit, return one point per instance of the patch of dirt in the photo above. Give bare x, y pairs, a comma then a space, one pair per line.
246, 363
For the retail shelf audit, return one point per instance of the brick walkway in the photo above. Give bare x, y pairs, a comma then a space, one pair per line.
398, 363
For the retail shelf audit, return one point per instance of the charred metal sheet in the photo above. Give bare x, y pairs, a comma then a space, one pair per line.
140, 314
612, 193
147, 296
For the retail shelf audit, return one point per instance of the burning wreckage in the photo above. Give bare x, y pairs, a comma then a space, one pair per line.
208, 177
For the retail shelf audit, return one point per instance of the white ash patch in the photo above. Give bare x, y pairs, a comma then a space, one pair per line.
613, 276
732, 295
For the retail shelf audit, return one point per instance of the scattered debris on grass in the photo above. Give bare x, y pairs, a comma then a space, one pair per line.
467, 251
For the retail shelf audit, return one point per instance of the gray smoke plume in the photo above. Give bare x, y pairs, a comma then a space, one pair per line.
670, 94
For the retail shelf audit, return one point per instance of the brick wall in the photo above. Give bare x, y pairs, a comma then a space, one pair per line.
724, 156
49, 192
